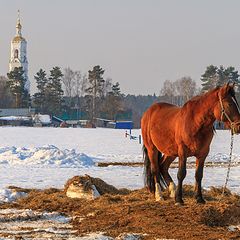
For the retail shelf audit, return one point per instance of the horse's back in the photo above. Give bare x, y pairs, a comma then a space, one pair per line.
160, 112
158, 126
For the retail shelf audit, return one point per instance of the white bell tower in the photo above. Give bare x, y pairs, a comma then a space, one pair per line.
18, 57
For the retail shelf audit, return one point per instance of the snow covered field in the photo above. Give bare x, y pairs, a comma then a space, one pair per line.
47, 157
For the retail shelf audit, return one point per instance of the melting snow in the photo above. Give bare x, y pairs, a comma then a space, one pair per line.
9, 195
34, 224
31, 224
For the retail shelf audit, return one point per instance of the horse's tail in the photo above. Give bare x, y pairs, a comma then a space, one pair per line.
148, 175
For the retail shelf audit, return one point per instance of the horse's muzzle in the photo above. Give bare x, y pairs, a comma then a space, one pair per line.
235, 127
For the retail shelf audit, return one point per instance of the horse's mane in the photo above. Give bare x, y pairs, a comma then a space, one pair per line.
201, 97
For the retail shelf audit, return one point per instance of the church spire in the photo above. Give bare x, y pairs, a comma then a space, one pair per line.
18, 26
18, 57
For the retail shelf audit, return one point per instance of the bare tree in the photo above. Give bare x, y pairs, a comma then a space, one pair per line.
68, 81
107, 86
179, 91
168, 90
75, 85
80, 84
186, 87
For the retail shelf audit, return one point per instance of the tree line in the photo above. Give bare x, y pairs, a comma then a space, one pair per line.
93, 96
179, 91
59, 92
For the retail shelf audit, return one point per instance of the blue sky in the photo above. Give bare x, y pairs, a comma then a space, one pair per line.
139, 43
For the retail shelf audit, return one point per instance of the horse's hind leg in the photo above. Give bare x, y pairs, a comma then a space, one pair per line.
164, 166
153, 156
182, 171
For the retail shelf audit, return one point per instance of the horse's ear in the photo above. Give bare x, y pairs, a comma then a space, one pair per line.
226, 89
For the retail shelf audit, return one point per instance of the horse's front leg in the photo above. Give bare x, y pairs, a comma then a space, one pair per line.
182, 171
198, 177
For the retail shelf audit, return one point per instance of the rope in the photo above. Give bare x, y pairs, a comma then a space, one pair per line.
229, 165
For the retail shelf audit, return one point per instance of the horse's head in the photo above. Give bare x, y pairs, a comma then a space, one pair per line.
227, 110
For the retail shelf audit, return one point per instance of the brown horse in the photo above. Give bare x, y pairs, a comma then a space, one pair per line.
169, 131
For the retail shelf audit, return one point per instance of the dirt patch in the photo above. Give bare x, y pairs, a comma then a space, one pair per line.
137, 212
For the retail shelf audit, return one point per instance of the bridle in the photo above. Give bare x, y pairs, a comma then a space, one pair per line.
234, 130
234, 125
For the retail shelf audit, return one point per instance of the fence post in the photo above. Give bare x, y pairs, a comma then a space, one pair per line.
140, 139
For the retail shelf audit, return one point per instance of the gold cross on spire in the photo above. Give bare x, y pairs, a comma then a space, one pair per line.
18, 16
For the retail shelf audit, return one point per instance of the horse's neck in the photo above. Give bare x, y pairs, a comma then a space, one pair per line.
203, 110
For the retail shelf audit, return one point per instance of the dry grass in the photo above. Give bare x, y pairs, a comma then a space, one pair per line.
118, 211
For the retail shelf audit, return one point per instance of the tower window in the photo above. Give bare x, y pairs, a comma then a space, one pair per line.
16, 53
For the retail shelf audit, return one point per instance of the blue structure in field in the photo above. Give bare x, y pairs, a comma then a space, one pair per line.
123, 125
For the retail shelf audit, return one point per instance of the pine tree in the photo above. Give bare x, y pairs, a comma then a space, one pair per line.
116, 90
16, 83
6, 98
40, 96
209, 78
233, 76
113, 102
54, 92
215, 76
95, 89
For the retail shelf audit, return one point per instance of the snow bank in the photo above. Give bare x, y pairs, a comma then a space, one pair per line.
48, 155
28, 214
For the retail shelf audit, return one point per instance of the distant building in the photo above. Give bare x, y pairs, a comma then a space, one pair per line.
16, 116
5, 112
18, 56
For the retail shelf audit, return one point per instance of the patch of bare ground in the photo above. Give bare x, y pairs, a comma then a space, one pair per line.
137, 211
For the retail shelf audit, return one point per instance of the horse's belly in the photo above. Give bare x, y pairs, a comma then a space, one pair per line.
198, 148
170, 151
166, 146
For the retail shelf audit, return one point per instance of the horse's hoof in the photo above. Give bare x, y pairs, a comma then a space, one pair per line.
201, 201
159, 199
172, 195
179, 203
